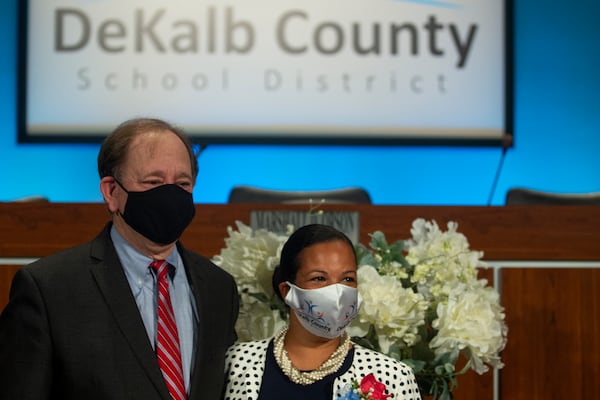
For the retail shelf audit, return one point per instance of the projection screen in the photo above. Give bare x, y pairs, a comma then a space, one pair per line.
239, 71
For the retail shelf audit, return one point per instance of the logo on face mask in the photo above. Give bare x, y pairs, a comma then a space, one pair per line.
327, 311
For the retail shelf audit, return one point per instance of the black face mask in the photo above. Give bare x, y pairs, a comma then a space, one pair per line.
160, 214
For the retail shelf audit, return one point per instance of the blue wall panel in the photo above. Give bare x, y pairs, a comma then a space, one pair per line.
557, 135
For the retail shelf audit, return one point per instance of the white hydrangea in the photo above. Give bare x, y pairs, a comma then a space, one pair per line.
250, 257
394, 311
440, 259
257, 320
471, 320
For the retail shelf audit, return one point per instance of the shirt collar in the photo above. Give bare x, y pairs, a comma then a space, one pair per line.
135, 263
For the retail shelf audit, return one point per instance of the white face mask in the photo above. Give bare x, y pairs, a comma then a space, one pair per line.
326, 311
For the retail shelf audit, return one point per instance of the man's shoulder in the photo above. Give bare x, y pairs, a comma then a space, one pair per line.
202, 265
63, 259
72, 258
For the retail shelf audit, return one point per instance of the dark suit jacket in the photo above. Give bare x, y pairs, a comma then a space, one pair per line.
72, 329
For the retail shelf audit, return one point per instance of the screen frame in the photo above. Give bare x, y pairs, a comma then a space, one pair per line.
205, 138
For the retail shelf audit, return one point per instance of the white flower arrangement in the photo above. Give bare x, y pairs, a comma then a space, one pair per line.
422, 301
250, 257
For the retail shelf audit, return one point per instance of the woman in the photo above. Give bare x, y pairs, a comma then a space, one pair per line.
313, 357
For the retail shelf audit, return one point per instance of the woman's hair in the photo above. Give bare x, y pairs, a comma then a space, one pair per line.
303, 237
115, 147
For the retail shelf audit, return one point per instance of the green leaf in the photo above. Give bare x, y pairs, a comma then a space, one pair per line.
259, 296
416, 365
364, 342
395, 351
447, 358
440, 370
396, 253
446, 395
378, 241
370, 340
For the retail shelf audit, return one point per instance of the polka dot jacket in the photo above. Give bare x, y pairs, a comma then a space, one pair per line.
245, 364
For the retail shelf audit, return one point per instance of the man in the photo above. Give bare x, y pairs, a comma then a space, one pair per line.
96, 321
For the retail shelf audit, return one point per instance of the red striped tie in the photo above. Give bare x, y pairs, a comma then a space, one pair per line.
167, 338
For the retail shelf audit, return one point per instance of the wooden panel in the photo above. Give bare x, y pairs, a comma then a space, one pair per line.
553, 349
7, 272
553, 314
503, 233
40, 229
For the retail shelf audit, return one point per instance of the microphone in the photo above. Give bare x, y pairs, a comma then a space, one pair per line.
199, 149
507, 141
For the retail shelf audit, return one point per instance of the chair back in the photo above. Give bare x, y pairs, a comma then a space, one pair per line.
250, 194
529, 196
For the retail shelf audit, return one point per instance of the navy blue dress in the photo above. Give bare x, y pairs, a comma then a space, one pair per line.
276, 385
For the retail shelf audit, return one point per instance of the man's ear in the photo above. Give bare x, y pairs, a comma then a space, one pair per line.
108, 185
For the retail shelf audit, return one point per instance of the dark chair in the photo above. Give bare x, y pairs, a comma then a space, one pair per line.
250, 194
32, 199
529, 196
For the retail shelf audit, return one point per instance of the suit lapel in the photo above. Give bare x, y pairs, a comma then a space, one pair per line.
112, 282
196, 282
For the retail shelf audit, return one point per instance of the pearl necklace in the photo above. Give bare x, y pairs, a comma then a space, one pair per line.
331, 365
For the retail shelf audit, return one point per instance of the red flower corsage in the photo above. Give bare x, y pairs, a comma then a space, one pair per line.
369, 388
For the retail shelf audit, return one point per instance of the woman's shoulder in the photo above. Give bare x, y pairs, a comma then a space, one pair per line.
242, 358
372, 359
252, 348
397, 376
